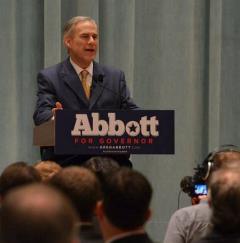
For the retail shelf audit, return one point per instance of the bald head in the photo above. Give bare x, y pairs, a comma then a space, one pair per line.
36, 214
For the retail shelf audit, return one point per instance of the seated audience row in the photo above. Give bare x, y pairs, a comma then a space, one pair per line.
103, 203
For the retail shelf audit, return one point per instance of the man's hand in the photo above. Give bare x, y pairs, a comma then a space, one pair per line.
58, 107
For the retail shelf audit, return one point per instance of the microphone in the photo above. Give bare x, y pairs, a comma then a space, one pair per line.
186, 184
124, 104
100, 78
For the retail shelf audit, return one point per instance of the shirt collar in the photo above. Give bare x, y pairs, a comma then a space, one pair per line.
130, 233
79, 69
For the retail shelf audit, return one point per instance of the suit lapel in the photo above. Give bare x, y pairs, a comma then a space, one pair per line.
71, 79
97, 84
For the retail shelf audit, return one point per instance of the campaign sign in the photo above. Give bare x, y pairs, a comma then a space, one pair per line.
114, 132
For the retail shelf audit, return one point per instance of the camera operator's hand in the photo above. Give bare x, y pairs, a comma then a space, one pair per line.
203, 197
196, 199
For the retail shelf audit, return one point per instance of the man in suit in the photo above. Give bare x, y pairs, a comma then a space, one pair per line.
80, 83
124, 210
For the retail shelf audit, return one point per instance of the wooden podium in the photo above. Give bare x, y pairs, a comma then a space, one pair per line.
44, 134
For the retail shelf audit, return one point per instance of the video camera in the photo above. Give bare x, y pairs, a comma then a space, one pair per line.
197, 184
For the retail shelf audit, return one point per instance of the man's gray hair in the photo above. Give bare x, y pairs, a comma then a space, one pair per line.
69, 26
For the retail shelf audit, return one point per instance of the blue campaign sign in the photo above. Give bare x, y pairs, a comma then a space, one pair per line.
114, 132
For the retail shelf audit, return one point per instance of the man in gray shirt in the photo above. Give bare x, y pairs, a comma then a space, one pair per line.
188, 223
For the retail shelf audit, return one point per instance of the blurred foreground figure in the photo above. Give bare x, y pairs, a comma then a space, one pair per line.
37, 214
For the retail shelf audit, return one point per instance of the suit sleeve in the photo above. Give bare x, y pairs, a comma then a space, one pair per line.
127, 102
46, 99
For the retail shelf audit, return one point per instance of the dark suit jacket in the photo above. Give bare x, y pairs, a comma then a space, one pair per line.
89, 234
139, 238
61, 83
214, 237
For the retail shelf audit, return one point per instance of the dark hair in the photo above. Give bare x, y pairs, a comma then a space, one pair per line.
127, 196
225, 200
35, 214
81, 186
102, 166
17, 174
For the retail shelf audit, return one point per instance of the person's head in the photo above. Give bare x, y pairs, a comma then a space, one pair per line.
47, 169
217, 159
225, 158
102, 166
80, 37
126, 201
17, 174
82, 187
224, 199
222, 159
35, 214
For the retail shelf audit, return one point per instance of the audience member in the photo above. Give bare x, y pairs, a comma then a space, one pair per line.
124, 210
189, 223
83, 188
47, 169
17, 174
37, 214
224, 200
